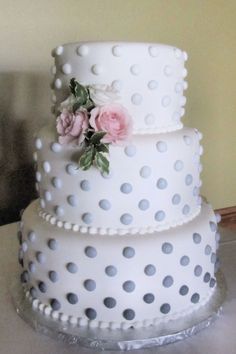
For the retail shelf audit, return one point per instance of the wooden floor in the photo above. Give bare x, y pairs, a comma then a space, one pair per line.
228, 217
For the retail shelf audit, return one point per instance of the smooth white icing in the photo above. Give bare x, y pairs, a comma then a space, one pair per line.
149, 77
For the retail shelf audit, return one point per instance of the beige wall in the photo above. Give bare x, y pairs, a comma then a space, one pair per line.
205, 29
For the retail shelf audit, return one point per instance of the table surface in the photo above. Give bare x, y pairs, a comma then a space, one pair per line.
18, 337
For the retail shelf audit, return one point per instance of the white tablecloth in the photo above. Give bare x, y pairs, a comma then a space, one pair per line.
16, 337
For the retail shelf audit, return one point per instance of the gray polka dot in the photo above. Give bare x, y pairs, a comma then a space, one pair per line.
188, 180
126, 219
111, 271
198, 271
130, 150
126, 188
90, 285
148, 298
213, 226
176, 199
32, 267
72, 169
207, 250
31, 236
56, 182
91, 313
129, 286
52, 244
33, 292
90, 252
72, 200
165, 308
143, 204
184, 290
129, 314
217, 265
212, 283
72, 298
168, 281
150, 270
160, 215
162, 183
53, 276
109, 302
195, 298
40, 257
24, 277
105, 204
85, 185
59, 211
72, 267
167, 248
42, 287
184, 261
213, 258
179, 165
128, 252
145, 172
161, 146
197, 238
186, 209
87, 218
20, 257
207, 277
55, 304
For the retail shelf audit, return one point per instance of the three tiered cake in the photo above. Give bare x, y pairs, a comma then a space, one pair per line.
119, 236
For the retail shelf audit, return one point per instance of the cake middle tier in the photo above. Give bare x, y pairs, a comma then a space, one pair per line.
153, 184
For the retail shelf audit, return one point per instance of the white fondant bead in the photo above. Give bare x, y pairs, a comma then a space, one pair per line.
46, 166
38, 143
136, 99
166, 100
178, 166
152, 85
35, 156
59, 210
53, 70
72, 169
178, 87
149, 119
87, 218
66, 68
178, 53
57, 83
55, 147
82, 50
126, 219
105, 204
72, 200
176, 116
160, 215
38, 176
161, 146
47, 196
145, 171
167, 70
53, 98
153, 51
59, 50
117, 50
85, 185
42, 203
135, 69
130, 150
56, 182
97, 69
184, 72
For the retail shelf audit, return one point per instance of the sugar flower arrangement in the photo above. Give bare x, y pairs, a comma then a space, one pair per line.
90, 118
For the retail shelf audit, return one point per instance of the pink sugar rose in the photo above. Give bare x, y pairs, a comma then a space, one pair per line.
71, 126
113, 119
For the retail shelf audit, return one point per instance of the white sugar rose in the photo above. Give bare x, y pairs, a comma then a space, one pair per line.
103, 94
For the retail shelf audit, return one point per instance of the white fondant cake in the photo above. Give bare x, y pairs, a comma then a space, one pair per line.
135, 246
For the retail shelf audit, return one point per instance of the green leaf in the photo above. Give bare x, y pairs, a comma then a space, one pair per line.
89, 105
102, 162
96, 137
103, 148
72, 86
76, 106
79, 91
86, 159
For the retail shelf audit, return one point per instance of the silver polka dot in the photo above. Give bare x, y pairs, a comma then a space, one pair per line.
206, 277
129, 286
91, 313
55, 147
53, 276
59, 211
126, 219
184, 290
135, 69
56, 182
38, 144
145, 172
90, 285
42, 287
213, 257
149, 298
136, 99
72, 200
72, 298
129, 314
31, 236
153, 51
195, 298
85, 185
105, 204
152, 85
184, 261
160, 215
167, 248
109, 302
33, 292
90, 252
143, 204
186, 209
188, 180
55, 304
197, 238
72, 169
162, 183
72, 267
195, 191
87, 218
176, 199
161, 146
46, 166
179, 165
150, 270
40, 257
168, 281
165, 308
166, 101
207, 250
149, 119
53, 244
213, 226
130, 150
128, 252
126, 188
198, 271
111, 271
32, 267
97, 69
82, 50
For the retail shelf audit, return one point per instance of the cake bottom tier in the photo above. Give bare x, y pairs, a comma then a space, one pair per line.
118, 281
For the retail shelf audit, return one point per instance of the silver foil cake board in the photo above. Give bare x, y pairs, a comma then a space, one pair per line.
125, 340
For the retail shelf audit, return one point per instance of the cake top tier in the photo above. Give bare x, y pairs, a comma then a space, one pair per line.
146, 78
